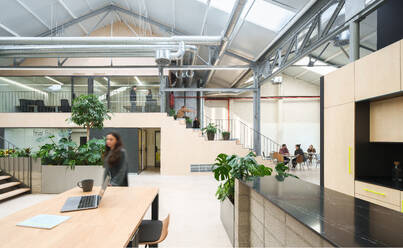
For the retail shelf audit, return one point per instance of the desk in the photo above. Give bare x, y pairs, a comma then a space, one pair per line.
113, 224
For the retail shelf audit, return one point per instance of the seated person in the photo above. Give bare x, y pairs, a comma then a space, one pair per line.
182, 111
298, 152
284, 151
311, 151
196, 123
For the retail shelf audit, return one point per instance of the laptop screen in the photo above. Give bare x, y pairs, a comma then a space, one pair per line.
104, 185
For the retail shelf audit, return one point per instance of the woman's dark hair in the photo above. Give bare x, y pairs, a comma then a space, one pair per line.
115, 154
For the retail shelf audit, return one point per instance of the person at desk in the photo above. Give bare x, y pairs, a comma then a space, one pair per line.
133, 99
284, 151
115, 160
182, 111
311, 151
298, 152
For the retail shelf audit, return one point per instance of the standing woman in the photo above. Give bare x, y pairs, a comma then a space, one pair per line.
115, 160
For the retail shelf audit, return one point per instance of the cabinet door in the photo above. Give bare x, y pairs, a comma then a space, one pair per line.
339, 86
339, 148
378, 73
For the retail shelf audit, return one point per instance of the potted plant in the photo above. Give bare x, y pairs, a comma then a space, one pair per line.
228, 168
171, 112
211, 130
175, 117
64, 163
225, 135
189, 122
89, 112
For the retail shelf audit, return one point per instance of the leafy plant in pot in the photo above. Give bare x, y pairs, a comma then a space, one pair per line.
226, 135
188, 122
211, 130
171, 112
228, 168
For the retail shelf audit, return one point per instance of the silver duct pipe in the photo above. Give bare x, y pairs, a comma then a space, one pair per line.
175, 51
173, 40
235, 14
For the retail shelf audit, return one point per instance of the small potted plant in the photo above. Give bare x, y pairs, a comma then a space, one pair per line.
211, 130
225, 135
175, 117
171, 112
189, 122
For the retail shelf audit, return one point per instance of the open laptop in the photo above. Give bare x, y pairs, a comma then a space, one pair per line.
85, 202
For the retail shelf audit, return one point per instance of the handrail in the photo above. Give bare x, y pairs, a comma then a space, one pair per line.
8, 143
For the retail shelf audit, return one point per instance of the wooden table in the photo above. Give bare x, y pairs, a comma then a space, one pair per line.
113, 224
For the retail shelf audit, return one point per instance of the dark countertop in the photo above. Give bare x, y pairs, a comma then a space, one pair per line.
341, 219
383, 181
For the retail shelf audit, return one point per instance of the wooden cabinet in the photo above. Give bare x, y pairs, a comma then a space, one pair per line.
339, 86
339, 148
383, 194
378, 73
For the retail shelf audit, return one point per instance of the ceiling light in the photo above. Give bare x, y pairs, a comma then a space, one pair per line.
23, 85
138, 80
54, 80
318, 67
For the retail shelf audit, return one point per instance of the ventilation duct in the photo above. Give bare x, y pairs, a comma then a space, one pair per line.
165, 56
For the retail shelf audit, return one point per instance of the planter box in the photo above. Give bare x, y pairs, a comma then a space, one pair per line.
59, 178
228, 218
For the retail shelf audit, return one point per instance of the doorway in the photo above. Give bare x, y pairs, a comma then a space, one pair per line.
157, 142
149, 150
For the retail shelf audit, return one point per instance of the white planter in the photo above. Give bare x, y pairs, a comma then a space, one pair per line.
59, 178
227, 218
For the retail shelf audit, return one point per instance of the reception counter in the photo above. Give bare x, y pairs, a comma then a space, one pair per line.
296, 213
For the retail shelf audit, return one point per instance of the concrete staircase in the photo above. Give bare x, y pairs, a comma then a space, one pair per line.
232, 146
10, 187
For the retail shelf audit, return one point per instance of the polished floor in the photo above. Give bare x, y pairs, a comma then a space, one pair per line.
190, 200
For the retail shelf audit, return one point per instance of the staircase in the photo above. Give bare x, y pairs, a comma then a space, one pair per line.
15, 175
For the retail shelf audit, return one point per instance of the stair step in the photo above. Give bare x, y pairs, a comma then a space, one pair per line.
8, 185
13, 193
4, 177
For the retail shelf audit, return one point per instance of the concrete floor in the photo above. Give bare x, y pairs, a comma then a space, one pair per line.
190, 200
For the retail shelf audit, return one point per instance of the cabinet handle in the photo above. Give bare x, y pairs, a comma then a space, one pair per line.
371, 191
349, 160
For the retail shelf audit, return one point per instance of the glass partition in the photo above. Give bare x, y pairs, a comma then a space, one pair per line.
56, 94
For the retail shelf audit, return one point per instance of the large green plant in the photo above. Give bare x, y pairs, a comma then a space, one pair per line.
66, 152
228, 168
89, 112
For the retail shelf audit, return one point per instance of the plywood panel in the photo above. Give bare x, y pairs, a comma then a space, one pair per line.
339, 86
386, 120
378, 73
383, 194
339, 148
380, 203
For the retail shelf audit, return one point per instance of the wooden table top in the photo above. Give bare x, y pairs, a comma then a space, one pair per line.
111, 225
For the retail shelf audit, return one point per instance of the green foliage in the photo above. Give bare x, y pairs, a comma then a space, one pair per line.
228, 168
171, 112
211, 128
15, 153
188, 120
282, 173
89, 112
66, 152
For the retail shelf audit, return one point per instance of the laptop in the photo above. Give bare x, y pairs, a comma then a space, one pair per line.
85, 202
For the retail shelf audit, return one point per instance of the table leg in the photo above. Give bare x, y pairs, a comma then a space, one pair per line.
154, 212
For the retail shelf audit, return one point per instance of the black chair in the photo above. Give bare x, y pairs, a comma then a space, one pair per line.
43, 108
65, 106
24, 106
153, 232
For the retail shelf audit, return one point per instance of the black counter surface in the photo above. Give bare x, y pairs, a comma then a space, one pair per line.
383, 181
341, 219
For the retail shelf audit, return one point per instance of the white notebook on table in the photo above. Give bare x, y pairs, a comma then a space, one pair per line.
45, 221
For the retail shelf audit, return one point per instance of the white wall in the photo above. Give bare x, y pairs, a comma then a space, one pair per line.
289, 121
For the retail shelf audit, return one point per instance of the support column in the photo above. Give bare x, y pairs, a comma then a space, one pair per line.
163, 101
354, 41
108, 94
90, 85
201, 110
256, 115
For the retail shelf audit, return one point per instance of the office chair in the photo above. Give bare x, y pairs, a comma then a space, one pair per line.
64, 105
152, 232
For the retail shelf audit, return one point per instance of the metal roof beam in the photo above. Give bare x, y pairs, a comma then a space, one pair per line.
9, 30
33, 14
72, 15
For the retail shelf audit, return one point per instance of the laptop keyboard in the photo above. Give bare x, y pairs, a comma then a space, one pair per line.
87, 201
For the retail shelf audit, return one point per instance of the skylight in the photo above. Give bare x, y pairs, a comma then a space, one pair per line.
262, 13
320, 67
269, 15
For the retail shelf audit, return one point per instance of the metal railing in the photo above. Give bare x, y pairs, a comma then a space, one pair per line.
61, 101
242, 132
20, 168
